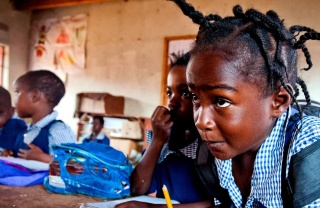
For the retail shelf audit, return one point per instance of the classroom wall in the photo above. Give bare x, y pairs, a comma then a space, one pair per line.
126, 40
17, 38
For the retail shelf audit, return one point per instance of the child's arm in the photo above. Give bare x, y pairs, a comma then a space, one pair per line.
142, 175
34, 153
6, 153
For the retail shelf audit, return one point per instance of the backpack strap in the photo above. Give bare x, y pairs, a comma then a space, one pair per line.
207, 172
286, 192
304, 175
302, 186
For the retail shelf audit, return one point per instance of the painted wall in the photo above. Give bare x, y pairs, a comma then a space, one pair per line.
17, 38
126, 40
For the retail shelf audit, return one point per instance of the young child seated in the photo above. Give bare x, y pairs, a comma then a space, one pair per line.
10, 126
243, 78
170, 157
97, 134
37, 93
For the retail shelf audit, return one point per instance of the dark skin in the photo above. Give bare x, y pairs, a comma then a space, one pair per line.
6, 112
163, 119
96, 128
231, 114
32, 104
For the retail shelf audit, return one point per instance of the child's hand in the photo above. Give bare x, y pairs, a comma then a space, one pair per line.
32, 154
6, 153
161, 124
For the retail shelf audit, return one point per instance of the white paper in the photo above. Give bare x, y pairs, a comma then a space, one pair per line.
30, 164
111, 204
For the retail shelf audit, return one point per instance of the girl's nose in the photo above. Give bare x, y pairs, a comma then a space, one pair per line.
204, 119
174, 102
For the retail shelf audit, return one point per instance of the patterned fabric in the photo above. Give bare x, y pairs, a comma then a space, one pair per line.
59, 132
189, 151
266, 177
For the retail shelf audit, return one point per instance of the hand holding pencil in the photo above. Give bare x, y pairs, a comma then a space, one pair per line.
167, 196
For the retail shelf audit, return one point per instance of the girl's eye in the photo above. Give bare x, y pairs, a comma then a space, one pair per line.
222, 103
169, 93
186, 94
195, 99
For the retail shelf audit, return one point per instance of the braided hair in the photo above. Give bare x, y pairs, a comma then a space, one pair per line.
258, 40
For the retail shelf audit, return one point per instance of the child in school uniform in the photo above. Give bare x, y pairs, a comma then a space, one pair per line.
36, 95
243, 78
170, 157
97, 134
10, 126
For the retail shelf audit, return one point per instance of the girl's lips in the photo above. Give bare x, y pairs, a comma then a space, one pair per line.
215, 145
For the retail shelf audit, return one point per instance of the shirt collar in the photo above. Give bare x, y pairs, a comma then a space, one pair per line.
100, 136
45, 120
189, 151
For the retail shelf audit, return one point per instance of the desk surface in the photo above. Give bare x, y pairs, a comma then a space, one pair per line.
37, 196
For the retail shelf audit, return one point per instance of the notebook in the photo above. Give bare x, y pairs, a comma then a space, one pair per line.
111, 204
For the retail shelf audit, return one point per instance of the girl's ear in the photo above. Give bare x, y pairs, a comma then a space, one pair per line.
281, 101
35, 95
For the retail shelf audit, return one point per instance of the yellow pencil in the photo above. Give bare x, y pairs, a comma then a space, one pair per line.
167, 196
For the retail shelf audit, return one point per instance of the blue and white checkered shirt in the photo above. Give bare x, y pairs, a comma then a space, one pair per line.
189, 151
59, 132
266, 177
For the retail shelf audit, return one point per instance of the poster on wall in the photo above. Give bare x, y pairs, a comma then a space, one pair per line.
59, 44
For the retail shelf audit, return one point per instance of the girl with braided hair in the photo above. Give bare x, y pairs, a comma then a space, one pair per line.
243, 77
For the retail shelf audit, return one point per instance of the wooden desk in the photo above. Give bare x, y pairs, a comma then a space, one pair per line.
37, 196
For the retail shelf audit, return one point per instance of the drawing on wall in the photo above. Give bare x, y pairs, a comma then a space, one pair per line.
176, 44
59, 44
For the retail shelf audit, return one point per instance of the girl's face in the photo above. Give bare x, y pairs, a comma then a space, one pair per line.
179, 97
23, 99
230, 114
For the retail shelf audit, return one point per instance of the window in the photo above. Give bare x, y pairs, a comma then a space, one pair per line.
4, 60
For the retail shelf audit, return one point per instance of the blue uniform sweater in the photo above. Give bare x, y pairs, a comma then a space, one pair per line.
178, 173
10, 131
42, 140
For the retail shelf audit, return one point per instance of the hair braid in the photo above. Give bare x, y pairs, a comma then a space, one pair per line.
237, 11
305, 92
298, 28
213, 17
263, 41
196, 16
279, 58
277, 27
308, 57
273, 15
307, 36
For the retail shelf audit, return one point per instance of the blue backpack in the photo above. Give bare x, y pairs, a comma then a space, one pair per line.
92, 169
